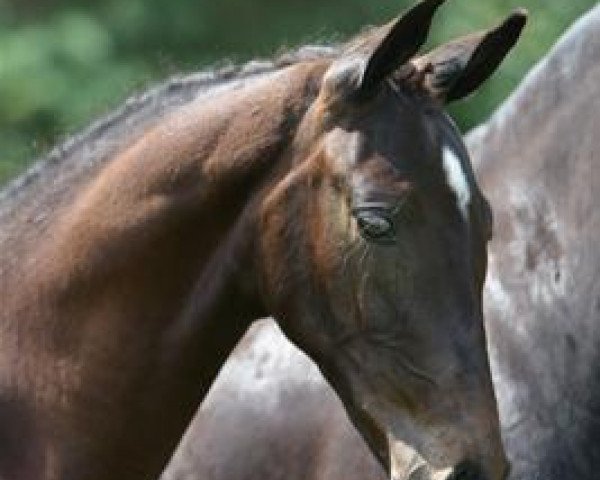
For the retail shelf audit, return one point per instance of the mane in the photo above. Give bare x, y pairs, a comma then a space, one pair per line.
54, 178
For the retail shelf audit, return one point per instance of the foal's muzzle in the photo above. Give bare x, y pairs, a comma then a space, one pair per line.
467, 471
472, 471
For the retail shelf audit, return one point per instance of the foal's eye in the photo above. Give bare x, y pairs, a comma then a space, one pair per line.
375, 226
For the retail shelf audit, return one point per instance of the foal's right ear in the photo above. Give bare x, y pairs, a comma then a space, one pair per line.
458, 68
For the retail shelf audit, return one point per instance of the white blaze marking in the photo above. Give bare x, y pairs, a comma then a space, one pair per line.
457, 179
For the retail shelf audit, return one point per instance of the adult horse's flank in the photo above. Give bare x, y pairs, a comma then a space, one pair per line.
333, 194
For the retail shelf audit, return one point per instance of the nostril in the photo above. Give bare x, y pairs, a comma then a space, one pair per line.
507, 469
467, 471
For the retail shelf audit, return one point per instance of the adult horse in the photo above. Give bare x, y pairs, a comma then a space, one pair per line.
538, 160
333, 194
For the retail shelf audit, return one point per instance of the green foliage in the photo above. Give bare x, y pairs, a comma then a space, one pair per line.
63, 62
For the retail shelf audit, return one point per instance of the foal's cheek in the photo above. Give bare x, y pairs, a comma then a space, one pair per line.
334, 229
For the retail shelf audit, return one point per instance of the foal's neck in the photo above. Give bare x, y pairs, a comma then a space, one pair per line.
156, 280
175, 213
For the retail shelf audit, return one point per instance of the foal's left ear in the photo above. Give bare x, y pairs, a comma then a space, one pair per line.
370, 60
458, 68
397, 43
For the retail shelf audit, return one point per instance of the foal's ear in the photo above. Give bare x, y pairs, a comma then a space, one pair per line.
397, 43
370, 60
458, 68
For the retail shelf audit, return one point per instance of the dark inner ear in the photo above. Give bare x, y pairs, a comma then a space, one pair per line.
460, 67
488, 56
400, 43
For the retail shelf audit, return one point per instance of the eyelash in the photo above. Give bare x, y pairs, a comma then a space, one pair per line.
410, 210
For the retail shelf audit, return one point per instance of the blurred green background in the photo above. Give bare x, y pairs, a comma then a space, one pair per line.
64, 62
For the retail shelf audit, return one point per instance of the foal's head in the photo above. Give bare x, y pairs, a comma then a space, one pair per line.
374, 248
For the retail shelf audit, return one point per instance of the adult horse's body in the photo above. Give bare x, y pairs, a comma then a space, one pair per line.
332, 193
539, 160
541, 154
